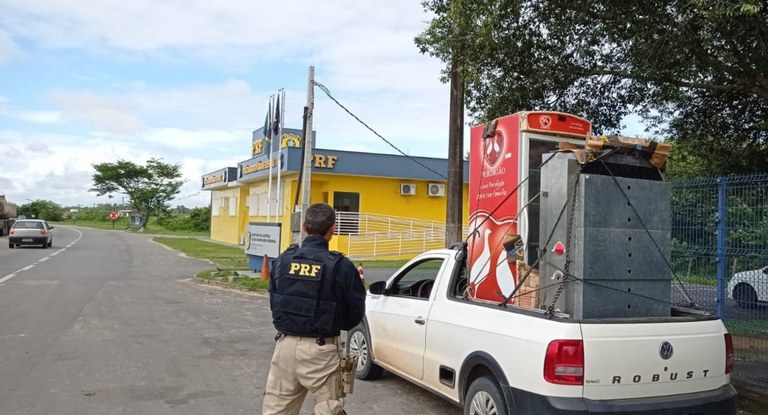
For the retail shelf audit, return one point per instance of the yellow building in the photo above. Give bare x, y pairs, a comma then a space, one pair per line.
388, 205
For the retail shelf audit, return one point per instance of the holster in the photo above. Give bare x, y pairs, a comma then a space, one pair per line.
347, 367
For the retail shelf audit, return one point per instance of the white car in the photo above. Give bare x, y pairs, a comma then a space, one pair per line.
748, 288
31, 232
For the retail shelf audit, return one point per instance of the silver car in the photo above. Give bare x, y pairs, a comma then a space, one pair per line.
30, 232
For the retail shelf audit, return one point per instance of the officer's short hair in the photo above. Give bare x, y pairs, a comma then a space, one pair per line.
319, 219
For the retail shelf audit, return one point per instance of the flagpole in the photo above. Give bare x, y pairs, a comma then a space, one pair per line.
278, 211
269, 134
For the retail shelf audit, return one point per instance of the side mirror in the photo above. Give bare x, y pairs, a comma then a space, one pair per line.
378, 288
50, 227
765, 270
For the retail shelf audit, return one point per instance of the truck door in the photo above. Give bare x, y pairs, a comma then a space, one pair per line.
399, 322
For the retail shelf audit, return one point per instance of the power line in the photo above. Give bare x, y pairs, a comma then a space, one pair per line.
327, 92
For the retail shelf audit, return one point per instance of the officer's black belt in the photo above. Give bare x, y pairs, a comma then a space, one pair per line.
319, 340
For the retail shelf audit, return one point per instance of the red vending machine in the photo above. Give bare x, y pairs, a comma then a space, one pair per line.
504, 182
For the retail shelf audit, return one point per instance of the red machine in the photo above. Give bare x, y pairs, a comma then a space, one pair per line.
505, 156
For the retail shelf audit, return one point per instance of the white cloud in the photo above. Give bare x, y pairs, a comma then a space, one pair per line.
363, 52
9, 50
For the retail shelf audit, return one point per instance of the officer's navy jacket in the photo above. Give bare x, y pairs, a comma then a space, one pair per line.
315, 292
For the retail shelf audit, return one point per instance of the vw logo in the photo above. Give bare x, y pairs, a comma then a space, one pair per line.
666, 350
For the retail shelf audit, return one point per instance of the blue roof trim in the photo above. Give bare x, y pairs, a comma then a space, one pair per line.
374, 164
218, 178
352, 163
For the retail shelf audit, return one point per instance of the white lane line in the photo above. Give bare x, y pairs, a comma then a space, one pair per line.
28, 267
7, 277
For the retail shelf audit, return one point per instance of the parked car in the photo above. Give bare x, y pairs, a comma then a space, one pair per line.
748, 288
31, 232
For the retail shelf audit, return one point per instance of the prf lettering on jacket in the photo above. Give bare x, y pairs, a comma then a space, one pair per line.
304, 270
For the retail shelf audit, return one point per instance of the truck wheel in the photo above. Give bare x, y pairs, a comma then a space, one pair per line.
358, 343
10, 245
484, 398
745, 295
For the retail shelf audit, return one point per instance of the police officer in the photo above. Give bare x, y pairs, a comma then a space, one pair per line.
314, 293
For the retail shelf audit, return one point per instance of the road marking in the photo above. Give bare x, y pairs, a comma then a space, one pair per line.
7, 277
28, 267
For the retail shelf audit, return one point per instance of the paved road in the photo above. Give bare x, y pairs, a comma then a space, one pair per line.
110, 323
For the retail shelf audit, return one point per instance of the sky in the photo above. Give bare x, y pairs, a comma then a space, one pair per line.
96, 81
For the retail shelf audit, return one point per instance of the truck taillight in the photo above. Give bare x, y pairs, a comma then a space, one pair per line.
564, 362
728, 353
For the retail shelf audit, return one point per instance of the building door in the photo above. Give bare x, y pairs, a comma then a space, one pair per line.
347, 207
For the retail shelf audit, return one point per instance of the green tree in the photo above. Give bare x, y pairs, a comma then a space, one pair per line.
697, 69
42, 209
149, 188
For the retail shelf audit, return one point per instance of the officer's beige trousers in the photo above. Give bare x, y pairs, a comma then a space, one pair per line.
299, 365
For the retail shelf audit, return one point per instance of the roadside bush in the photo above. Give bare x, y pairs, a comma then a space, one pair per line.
197, 220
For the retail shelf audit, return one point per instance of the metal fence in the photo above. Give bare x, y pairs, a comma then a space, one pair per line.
719, 238
378, 236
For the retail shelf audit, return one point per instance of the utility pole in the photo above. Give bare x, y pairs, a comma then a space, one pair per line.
307, 167
454, 209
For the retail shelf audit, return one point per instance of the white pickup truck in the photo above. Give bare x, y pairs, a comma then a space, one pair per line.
494, 359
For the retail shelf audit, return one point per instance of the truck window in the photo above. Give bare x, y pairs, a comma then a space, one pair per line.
418, 280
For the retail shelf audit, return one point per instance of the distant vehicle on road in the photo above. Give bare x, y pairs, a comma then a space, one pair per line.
7, 215
31, 232
748, 288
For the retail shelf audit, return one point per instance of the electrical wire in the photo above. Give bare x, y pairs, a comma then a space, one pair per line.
327, 92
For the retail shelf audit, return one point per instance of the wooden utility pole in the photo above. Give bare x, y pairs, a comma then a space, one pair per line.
454, 207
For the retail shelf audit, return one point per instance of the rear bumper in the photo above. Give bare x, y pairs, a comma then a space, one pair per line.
28, 240
721, 401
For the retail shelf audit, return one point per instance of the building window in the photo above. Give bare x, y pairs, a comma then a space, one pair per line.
232, 206
347, 207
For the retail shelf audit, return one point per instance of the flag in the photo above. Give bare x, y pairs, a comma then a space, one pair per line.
276, 121
268, 130
267, 124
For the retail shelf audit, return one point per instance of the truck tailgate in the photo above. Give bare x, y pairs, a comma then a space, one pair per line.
652, 359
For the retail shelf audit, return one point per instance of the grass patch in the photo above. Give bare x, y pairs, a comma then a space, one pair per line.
222, 276
229, 257
748, 328
696, 279
122, 225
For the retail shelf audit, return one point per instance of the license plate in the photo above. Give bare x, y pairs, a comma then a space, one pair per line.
27, 240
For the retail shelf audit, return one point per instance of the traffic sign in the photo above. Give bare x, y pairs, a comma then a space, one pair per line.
113, 215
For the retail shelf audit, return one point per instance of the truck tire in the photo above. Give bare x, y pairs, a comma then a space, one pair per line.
10, 245
359, 343
484, 397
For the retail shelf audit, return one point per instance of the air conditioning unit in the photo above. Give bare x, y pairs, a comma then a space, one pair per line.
407, 189
436, 189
